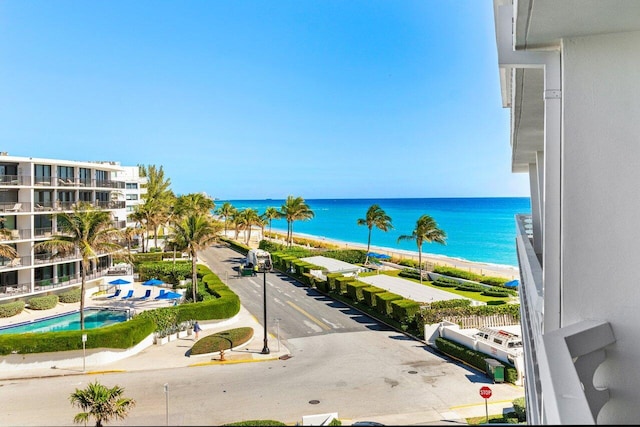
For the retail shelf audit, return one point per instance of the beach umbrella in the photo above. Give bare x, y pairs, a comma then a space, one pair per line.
512, 284
119, 282
170, 295
153, 282
377, 255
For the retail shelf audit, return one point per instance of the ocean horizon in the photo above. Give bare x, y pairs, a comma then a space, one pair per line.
479, 229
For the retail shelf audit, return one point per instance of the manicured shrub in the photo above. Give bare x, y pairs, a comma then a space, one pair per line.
71, 296
354, 290
473, 357
341, 283
223, 340
450, 303
383, 302
520, 408
11, 309
369, 295
43, 303
404, 310
497, 294
496, 302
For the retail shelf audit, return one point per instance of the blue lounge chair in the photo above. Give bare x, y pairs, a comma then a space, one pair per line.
117, 294
161, 294
128, 295
146, 295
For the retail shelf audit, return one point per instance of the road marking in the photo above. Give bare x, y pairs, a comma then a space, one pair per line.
316, 321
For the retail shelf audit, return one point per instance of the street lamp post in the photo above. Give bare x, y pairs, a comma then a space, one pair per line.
265, 349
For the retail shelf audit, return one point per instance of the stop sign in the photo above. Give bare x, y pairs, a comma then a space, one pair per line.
485, 392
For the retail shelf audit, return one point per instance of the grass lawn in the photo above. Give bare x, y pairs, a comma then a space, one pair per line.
471, 295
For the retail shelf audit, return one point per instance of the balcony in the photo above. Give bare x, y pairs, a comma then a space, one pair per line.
13, 180
559, 364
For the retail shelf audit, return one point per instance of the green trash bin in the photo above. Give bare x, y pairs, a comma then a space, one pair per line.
495, 370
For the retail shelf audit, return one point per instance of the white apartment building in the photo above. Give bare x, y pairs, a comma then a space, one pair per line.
32, 191
134, 189
569, 75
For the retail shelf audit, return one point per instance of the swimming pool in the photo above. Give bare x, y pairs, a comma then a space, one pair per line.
93, 318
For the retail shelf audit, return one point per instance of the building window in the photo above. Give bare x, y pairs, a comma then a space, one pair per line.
132, 186
65, 172
132, 197
42, 173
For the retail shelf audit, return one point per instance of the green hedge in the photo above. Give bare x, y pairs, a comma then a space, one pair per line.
404, 310
167, 271
71, 296
11, 309
236, 246
223, 340
43, 303
121, 335
341, 283
369, 295
383, 302
462, 274
354, 290
497, 294
450, 303
473, 357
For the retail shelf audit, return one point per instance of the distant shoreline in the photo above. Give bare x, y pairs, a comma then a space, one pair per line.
486, 269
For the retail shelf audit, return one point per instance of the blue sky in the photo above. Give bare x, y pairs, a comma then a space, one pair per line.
262, 99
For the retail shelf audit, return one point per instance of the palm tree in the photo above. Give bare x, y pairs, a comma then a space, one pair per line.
194, 202
377, 217
294, 209
426, 231
7, 251
194, 232
158, 198
250, 218
270, 214
101, 403
87, 232
226, 211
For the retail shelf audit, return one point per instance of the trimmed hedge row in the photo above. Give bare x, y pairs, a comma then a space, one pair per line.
462, 274
473, 357
167, 271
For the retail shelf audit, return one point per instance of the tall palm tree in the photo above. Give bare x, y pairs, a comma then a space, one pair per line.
194, 232
426, 231
250, 218
158, 199
226, 211
85, 231
294, 209
270, 214
194, 202
100, 402
377, 217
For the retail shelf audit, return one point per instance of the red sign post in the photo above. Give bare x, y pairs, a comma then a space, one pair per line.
486, 392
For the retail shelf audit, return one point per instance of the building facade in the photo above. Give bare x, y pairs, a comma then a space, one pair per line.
568, 75
32, 191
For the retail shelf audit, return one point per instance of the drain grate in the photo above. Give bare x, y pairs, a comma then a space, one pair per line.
413, 372
314, 402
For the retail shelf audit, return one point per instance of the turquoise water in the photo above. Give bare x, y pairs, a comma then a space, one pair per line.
478, 229
93, 318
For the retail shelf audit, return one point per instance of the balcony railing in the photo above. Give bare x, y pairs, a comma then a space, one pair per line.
6, 235
559, 364
12, 180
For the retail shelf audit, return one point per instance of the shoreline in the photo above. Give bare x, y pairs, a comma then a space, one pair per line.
482, 268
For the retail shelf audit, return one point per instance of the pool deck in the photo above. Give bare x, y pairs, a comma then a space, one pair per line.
133, 304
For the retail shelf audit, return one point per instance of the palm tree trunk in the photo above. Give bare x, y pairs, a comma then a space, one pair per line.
82, 288
194, 275
366, 260
420, 262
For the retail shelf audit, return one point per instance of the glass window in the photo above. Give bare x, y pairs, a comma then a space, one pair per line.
42, 171
65, 172
132, 197
132, 186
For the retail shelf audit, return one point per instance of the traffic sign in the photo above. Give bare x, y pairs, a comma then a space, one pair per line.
485, 392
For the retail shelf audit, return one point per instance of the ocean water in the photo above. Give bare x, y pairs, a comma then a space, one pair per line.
478, 229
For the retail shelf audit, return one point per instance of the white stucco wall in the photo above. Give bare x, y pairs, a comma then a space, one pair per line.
601, 204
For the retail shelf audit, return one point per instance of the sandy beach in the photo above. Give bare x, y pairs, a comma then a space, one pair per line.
485, 269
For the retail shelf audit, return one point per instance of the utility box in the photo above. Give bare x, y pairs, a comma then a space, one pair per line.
495, 370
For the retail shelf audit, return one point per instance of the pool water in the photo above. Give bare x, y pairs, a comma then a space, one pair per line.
93, 318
